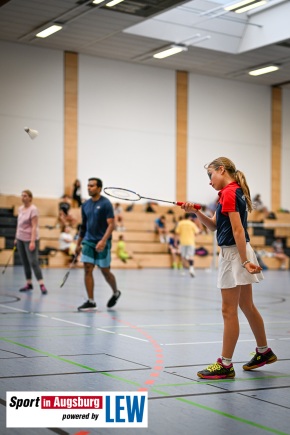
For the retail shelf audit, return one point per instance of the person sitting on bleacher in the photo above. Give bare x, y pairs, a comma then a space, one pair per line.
149, 208
161, 228
118, 211
121, 250
64, 216
279, 253
67, 242
259, 205
174, 250
65, 204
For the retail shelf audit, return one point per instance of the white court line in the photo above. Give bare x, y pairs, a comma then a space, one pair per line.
211, 342
135, 338
67, 321
160, 325
104, 330
16, 309
193, 342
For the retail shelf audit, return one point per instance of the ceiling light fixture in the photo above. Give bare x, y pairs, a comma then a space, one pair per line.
49, 31
251, 6
97, 2
113, 3
174, 49
264, 70
238, 5
244, 5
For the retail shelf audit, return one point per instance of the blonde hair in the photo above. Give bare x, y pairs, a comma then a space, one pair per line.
28, 193
237, 175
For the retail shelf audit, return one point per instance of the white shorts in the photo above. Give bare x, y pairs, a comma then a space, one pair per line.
231, 273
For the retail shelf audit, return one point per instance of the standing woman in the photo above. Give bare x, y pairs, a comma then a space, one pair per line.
238, 267
77, 193
27, 239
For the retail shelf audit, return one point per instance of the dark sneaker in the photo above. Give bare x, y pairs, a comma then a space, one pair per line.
87, 306
43, 289
260, 359
26, 288
217, 371
114, 298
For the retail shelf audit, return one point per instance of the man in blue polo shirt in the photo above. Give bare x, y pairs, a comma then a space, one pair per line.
95, 238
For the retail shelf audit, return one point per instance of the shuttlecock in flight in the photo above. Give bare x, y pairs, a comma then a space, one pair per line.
31, 133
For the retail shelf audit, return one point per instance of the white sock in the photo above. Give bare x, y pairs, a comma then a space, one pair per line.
226, 361
262, 349
92, 301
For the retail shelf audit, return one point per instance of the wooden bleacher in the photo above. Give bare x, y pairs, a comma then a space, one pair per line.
256, 216
2, 243
6, 255
274, 263
147, 250
280, 227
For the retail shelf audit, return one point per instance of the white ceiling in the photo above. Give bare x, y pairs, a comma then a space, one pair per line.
219, 44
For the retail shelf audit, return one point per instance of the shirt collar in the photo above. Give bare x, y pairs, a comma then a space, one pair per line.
233, 183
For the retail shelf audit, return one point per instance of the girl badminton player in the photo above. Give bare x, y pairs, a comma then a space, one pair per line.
238, 266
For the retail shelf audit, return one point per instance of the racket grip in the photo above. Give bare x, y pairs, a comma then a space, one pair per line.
197, 206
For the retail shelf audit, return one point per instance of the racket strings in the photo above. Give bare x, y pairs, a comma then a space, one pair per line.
120, 193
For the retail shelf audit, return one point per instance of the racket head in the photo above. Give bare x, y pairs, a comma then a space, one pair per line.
120, 193
67, 273
64, 279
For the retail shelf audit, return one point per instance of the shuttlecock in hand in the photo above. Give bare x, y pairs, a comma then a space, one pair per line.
31, 133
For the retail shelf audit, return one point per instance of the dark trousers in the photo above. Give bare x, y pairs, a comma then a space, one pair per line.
29, 259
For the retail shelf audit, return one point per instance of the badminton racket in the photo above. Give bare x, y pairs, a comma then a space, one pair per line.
68, 272
9, 259
129, 195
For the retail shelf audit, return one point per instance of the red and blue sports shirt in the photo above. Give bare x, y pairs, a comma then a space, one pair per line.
231, 199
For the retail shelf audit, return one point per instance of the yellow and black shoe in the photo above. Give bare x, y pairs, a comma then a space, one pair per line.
217, 371
260, 359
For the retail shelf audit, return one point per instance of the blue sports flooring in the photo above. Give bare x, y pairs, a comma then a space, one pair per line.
164, 328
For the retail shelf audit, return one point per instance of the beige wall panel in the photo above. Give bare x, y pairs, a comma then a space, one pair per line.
181, 134
276, 147
70, 119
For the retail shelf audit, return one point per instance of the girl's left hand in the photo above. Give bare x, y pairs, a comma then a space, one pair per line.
253, 268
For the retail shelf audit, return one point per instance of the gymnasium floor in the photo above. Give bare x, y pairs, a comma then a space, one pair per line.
164, 329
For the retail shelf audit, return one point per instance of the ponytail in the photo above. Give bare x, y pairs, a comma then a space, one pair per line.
241, 180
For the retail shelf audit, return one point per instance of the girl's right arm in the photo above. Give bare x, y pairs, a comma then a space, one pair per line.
209, 222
